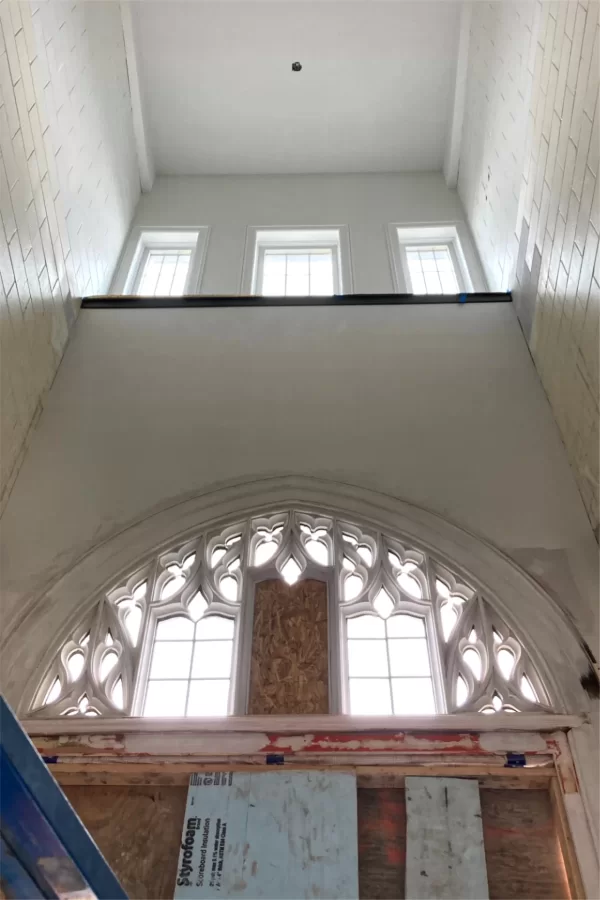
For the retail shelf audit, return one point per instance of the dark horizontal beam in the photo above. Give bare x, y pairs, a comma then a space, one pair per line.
212, 302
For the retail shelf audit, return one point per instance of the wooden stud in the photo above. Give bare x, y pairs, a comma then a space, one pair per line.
567, 844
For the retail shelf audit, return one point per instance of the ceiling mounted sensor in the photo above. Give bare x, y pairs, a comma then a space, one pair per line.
296, 67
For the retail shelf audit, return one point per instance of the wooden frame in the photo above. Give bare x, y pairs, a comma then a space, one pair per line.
146, 752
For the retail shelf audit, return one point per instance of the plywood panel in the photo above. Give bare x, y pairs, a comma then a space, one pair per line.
522, 847
138, 829
276, 835
445, 858
290, 662
381, 843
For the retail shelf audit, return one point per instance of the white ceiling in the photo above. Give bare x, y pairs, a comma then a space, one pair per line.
374, 94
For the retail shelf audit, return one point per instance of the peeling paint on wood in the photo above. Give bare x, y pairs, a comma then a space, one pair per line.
371, 745
445, 856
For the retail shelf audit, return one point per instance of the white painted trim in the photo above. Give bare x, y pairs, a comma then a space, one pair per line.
140, 237
463, 722
334, 236
144, 154
454, 141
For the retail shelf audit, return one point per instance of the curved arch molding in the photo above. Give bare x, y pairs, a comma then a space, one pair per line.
552, 638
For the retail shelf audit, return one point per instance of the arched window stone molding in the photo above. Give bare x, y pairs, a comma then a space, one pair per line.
512, 595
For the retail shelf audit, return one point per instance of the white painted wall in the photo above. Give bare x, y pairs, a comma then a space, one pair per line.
440, 406
529, 180
69, 184
366, 203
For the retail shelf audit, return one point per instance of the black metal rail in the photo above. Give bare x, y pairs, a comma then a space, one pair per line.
213, 302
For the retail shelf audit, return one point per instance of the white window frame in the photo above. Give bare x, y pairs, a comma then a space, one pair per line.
261, 238
142, 240
454, 236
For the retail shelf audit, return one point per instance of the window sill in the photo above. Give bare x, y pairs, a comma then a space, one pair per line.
456, 722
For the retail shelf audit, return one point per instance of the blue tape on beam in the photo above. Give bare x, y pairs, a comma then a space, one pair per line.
275, 759
462, 298
515, 761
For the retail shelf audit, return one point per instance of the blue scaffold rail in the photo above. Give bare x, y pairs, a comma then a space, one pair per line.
46, 852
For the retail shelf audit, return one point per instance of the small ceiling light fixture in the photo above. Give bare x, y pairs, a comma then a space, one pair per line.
296, 67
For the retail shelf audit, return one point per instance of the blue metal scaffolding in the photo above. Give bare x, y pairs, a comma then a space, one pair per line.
46, 852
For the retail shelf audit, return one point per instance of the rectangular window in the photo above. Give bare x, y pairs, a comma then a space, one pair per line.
297, 274
163, 273
431, 270
300, 262
190, 669
159, 263
428, 260
388, 666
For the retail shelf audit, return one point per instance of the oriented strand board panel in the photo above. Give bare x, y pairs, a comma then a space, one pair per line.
445, 857
138, 830
524, 858
290, 658
278, 835
381, 843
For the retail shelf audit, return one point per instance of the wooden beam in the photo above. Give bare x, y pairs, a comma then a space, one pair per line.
144, 773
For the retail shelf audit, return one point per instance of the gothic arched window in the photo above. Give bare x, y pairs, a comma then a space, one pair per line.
408, 633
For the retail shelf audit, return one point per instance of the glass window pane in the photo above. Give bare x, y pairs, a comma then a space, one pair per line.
409, 656
403, 625
215, 628
432, 282
431, 270
366, 627
165, 698
150, 275
183, 264
175, 628
167, 273
367, 658
418, 284
413, 696
296, 286
449, 285
321, 274
370, 696
297, 265
212, 659
171, 659
274, 264
273, 286
208, 698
